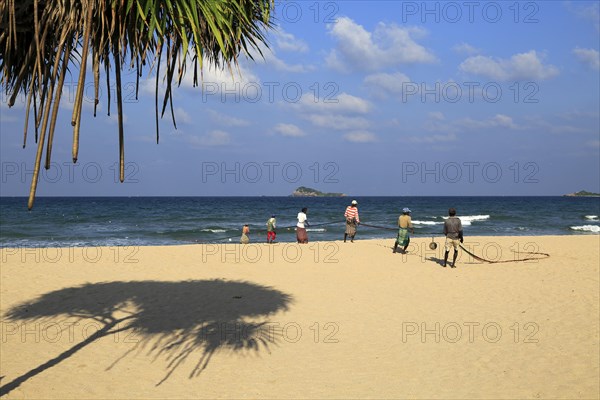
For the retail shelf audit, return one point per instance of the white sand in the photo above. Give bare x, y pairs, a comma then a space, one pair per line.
341, 321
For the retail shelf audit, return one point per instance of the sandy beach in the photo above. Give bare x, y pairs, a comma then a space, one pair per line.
323, 320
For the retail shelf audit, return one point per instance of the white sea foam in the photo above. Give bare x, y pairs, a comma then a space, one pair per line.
587, 228
214, 230
316, 230
467, 219
592, 217
427, 222
474, 218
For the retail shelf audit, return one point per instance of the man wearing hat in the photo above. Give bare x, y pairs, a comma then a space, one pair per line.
454, 236
352, 220
404, 224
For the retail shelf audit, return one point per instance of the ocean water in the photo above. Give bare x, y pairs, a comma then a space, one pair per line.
141, 221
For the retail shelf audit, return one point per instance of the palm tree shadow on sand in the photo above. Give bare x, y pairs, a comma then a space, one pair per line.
176, 319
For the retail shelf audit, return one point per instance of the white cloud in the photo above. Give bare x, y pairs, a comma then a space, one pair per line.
211, 79
387, 45
590, 57
504, 121
360, 137
221, 83
577, 115
289, 130
571, 122
519, 66
227, 120
221, 76
437, 115
450, 137
344, 103
541, 123
280, 65
181, 116
338, 122
213, 138
269, 58
342, 113
288, 42
498, 121
465, 48
589, 11
594, 144
437, 123
381, 84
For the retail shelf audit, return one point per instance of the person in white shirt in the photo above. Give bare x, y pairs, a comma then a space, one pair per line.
301, 234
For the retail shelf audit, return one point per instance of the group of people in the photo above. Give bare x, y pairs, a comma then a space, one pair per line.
301, 234
271, 233
452, 230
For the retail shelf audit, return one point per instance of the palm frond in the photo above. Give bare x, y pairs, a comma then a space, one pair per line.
39, 39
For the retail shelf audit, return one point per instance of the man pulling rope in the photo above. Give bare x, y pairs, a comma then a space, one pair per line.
454, 236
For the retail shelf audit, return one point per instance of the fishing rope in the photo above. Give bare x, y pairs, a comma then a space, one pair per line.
535, 255
291, 227
543, 255
532, 255
378, 227
264, 231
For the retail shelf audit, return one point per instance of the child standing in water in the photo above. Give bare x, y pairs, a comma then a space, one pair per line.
245, 231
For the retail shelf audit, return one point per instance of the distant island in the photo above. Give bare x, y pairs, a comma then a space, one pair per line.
303, 191
582, 193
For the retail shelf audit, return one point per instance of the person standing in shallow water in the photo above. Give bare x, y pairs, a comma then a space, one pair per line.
404, 224
245, 231
352, 220
271, 226
454, 236
301, 234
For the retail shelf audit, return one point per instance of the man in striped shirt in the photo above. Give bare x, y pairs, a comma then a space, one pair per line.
352, 220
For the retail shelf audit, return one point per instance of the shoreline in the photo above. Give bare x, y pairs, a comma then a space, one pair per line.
392, 238
322, 320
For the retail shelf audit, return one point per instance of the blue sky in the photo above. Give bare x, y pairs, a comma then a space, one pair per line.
360, 97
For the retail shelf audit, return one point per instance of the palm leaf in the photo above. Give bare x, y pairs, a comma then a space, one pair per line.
39, 39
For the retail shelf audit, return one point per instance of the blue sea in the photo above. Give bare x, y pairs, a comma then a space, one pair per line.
145, 221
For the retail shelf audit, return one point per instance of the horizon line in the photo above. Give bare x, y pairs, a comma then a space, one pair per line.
301, 197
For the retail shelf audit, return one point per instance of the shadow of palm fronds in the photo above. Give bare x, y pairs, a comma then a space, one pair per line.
174, 320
